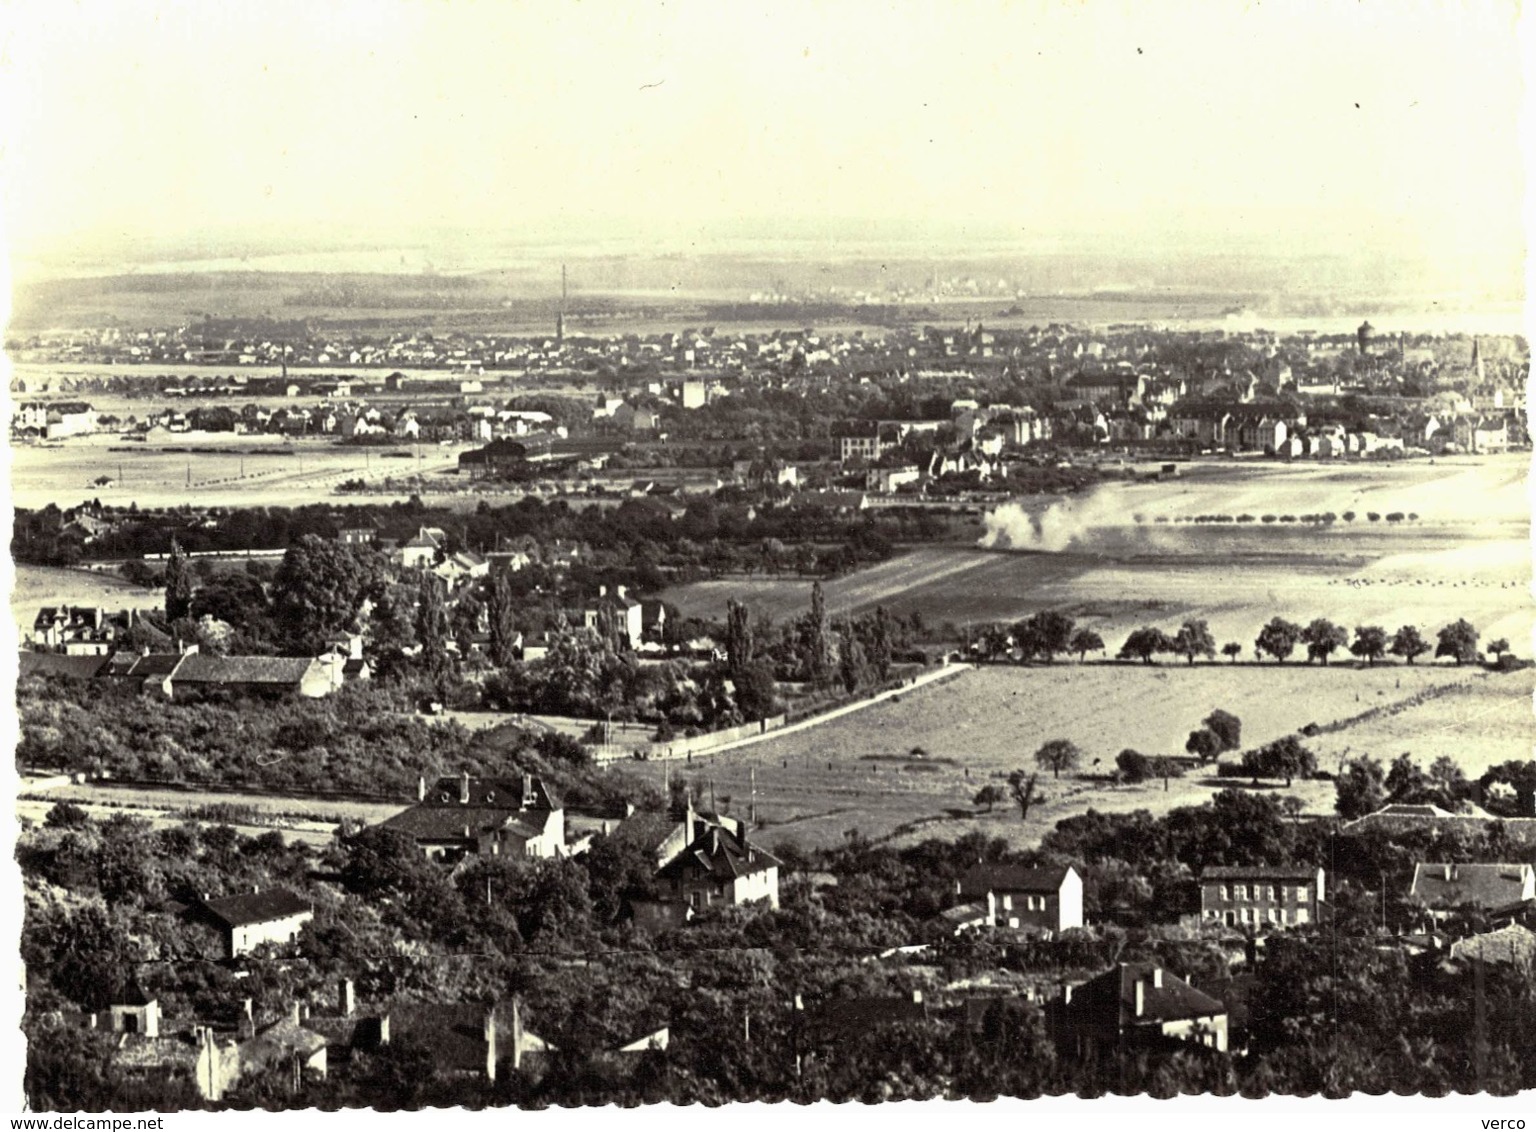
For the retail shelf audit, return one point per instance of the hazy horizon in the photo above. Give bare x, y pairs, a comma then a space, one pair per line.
472, 138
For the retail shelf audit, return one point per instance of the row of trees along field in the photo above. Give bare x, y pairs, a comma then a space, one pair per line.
1048, 634
1329, 1009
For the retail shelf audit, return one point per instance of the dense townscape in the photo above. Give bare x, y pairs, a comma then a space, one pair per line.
352, 801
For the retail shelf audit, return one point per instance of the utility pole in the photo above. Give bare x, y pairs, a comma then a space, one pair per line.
752, 808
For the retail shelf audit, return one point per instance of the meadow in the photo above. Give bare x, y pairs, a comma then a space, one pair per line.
1106, 558
910, 768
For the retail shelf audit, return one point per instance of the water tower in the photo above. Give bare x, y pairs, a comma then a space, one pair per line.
1363, 338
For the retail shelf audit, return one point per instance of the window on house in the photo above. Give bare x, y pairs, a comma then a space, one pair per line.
1301, 915
1285, 915
1245, 915
1225, 893
1271, 892
1303, 892
1272, 916
1242, 892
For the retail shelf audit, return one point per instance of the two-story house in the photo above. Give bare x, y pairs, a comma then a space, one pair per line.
1015, 897
250, 919
1136, 1004
1262, 898
494, 817
719, 867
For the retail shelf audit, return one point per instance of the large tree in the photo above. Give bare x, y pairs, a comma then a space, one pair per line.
1408, 643
1360, 790
1058, 755
818, 641
1044, 634
1370, 643
320, 590
432, 623
1278, 638
1194, 639
1458, 640
1085, 641
1144, 643
1322, 638
1021, 785
178, 584
502, 614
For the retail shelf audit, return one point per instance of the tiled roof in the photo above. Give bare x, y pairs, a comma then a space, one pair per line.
280, 1041
1485, 886
282, 670
1514, 943
1261, 872
57, 664
983, 879
156, 664
136, 1051
718, 854
1112, 997
256, 907
453, 1033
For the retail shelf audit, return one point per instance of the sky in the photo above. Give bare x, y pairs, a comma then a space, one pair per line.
1291, 127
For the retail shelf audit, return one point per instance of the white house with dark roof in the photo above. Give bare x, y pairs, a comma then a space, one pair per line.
262, 916
462, 814
1016, 897
718, 867
1134, 1003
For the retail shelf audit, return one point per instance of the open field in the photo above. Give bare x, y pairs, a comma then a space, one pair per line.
37, 586
303, 819
858, 772
1467, 555
229, 473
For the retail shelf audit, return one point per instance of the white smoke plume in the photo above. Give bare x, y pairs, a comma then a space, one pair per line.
1057, 528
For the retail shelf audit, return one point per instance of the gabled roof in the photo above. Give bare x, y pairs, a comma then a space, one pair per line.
1112, 997
1484, 886
719, 855
57, 664
279, 1042
256, 907
277, 670
156, 665
454, 1033
982, 879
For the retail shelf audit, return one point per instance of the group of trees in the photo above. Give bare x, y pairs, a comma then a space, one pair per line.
1365, 786
1321, 639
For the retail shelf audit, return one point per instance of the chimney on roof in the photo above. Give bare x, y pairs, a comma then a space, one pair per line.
421, 788
1157, 977
529, 798
346, 997
464, 788
799, 1002
1066, 995
255, 890
602, 591
621, 591
917, 997
1141, 997
688, 824
1448, 872
296, 1014
384, 1030
629, 809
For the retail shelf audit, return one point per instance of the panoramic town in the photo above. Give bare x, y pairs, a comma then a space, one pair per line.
517, 688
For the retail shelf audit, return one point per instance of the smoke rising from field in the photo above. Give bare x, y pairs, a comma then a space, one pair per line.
1057, 528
